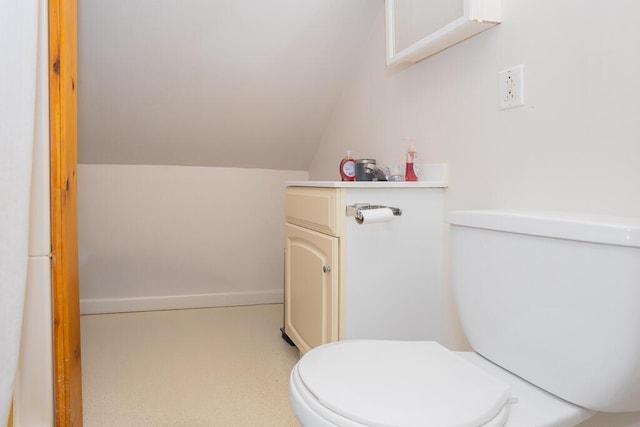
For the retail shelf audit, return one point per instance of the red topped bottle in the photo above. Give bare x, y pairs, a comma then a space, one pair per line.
410, 172
348, 168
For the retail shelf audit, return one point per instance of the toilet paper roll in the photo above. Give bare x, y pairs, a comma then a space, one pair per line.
371, 216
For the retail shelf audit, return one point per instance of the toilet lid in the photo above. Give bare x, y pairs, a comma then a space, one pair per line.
401, 383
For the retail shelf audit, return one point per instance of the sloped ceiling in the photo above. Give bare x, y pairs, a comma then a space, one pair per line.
239, 83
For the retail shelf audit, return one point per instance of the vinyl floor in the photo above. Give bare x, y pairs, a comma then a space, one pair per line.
223, 366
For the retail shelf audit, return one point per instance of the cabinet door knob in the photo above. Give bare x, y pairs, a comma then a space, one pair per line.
326, 268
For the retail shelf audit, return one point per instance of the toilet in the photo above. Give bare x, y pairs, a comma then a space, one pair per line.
549, 304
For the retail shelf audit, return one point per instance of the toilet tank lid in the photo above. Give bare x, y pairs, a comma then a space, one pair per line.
593, 228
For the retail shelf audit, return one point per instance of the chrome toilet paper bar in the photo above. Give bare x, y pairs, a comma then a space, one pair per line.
356, 209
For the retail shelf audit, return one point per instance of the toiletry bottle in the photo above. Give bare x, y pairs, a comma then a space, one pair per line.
348, 168
410, 173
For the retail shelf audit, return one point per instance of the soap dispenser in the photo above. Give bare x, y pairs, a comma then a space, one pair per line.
410, 172
348, 167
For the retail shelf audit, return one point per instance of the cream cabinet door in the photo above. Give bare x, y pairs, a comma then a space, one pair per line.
311, 287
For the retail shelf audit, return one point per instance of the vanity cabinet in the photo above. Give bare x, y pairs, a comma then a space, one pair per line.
345, 280
312, 302
312, 266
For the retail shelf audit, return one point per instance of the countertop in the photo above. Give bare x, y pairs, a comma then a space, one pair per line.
433, 175
366, 184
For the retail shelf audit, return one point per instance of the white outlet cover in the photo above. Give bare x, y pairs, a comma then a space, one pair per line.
512, 87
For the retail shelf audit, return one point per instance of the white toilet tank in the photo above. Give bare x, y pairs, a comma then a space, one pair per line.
555, 299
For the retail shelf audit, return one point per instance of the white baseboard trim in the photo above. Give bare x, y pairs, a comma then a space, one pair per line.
176, 302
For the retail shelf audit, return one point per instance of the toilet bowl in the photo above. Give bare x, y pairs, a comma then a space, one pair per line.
417, 383
550, 305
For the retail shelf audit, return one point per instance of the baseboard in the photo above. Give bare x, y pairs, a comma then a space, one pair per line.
176, 302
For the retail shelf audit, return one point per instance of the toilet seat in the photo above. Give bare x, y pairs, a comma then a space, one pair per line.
398, 383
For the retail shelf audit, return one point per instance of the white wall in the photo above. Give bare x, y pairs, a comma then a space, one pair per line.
33, 403
161, 79
157, 237
573, 146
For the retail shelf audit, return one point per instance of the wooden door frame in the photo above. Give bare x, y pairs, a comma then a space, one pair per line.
64, 208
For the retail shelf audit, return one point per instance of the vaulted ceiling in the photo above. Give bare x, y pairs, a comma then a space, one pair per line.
239, 83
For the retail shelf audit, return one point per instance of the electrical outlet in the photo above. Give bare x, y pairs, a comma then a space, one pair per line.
512, 87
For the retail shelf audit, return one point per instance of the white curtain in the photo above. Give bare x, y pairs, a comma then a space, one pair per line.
18, 65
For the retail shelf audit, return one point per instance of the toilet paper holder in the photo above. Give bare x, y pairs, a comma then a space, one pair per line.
356, 209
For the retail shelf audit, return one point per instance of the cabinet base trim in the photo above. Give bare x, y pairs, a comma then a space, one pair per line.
175, 302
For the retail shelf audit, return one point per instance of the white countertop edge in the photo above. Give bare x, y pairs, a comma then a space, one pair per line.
436, 175
367, 184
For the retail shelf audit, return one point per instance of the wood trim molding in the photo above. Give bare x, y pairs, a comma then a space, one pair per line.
64, 208
10, 421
